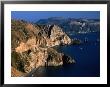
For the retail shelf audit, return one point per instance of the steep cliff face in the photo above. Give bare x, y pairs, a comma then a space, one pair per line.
58, 37
40, 35
32, 46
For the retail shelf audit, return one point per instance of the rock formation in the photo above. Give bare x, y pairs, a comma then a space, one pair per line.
32, 46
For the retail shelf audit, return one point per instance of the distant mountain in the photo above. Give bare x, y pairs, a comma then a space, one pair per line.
72, 25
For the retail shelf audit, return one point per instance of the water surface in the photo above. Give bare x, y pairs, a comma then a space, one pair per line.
86, 55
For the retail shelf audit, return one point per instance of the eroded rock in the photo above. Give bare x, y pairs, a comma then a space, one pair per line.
32, 46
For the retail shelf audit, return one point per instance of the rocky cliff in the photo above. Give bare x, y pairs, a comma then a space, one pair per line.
32, 46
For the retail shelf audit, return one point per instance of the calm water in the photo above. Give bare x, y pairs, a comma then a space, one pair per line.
86, 55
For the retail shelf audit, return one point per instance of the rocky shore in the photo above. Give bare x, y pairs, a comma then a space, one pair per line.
32, 47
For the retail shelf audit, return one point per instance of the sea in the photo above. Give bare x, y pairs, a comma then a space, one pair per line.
86, 55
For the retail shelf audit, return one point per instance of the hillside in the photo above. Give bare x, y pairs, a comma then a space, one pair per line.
32, 46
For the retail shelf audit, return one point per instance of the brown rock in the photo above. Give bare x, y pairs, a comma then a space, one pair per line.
31, 46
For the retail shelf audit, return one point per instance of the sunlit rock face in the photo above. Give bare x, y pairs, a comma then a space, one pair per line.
32, 46
57, 37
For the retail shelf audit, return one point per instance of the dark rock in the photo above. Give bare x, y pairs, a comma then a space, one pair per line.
76, 42
67, 60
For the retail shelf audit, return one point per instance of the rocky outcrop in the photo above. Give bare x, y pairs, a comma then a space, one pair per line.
41, 35
28, 60
32, 46
58, 37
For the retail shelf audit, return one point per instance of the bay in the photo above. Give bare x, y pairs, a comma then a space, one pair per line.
86, 55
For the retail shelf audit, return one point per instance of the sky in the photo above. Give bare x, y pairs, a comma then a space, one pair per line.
33, 16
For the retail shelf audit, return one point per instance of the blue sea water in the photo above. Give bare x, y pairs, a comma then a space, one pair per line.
86, 55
